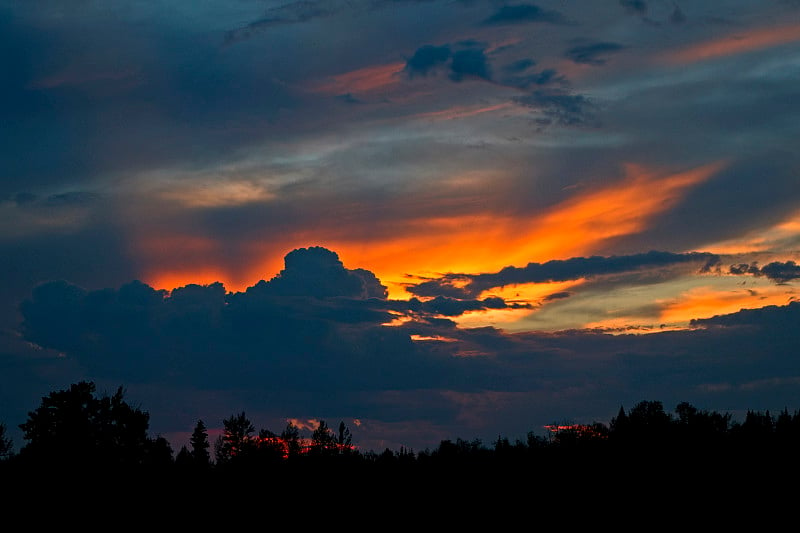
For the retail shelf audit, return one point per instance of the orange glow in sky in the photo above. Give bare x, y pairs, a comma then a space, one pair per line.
474, 243
361, 80
737, 43
705, 302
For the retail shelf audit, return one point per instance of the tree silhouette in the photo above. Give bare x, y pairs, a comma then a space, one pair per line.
199, 444
291, 438
322, 440
236, 440
6, 444
345, 438
72, 426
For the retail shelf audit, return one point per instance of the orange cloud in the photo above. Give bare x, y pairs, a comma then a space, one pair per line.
362, 80
738, 43
769, 239
705, 302
488, 241
462, 111
479, 241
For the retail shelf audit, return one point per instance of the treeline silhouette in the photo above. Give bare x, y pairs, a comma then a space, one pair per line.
76, 434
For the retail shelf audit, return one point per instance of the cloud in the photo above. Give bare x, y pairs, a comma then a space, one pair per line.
520, 65
558, 106
638, 7
314, 322
465, 63
677, 16
780, 272
472, 285
524, 13
426, 59
318, 272
469, 63
772, 317
289, 13
305, 355
591, 54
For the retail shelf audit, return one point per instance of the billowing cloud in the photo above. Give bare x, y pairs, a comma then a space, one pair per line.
194, 147
299, 352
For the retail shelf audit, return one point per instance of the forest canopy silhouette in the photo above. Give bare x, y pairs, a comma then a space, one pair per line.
77, 430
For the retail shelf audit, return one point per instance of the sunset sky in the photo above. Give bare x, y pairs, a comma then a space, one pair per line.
427, 218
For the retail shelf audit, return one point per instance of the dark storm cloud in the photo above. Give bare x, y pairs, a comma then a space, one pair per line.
593, 54
779, 272
559, 270
315, 322
524, 13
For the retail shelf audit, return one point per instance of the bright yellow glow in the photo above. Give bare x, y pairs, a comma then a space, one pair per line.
438, 338
484, 241
223, 193
524, 293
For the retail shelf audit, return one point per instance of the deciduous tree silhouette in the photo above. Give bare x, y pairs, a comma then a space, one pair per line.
73, 426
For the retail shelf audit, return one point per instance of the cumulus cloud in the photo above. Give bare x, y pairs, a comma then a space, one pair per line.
315, 312
317, 272
313, 353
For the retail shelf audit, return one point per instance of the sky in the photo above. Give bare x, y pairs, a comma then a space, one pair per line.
428, 219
